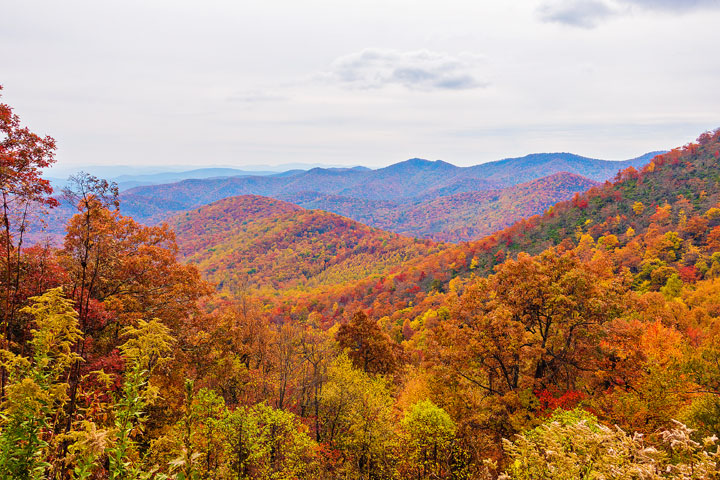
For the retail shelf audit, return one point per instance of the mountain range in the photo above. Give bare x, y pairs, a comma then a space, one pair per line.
461, 203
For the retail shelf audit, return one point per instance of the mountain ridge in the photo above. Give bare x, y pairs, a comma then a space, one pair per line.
458, 217
404, 183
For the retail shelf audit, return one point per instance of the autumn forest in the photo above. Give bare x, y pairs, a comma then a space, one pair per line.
558, 326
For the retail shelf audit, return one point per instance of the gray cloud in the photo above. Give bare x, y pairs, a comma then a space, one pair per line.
421, 70
590, 13
578, 13
673, 5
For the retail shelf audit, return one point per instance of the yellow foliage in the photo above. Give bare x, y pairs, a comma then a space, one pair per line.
713, 213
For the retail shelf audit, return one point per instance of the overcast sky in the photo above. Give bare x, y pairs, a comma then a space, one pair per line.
367, 82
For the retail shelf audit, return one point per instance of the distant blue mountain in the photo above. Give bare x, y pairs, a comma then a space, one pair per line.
408, 182
384, 196
130, 181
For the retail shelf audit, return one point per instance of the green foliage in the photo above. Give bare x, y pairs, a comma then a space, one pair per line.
355, 418
188, 424
566, 418
37, 393
36, 390
673, 287
428, 435
87, 448
208, 411
149, 344
261, 442
704, 414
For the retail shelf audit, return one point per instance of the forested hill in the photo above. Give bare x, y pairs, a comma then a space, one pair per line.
261, 243
529, 167
405, 182
472, 215
457, 217
433, 200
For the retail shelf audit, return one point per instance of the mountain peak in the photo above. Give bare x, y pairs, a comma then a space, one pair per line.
421, 163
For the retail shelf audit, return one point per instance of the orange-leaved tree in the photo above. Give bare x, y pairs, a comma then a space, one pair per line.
118, 272
23, 191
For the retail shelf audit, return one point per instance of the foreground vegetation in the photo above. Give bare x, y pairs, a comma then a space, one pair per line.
595, 355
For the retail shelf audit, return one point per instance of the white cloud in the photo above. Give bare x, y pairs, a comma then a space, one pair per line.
420, 69
674, 5
590, 13
578, 13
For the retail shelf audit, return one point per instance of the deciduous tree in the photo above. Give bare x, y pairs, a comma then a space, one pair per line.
23, 193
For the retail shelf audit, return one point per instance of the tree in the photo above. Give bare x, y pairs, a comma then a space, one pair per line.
92, 197
429, 432
130, 268
355, 419
315, 350
261, 442
232, 351
534, 324
368, 346
23, 192
148, 345
196, 438
119, 271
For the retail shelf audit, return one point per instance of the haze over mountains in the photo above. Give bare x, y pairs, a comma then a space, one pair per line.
129, 177
430, 199
456, 217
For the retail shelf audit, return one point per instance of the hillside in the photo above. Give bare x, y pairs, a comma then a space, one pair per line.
600, 303
453, 218
258, 242
416, 197
536, 165
472, 215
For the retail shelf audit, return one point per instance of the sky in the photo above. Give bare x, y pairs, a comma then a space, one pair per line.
239, 82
